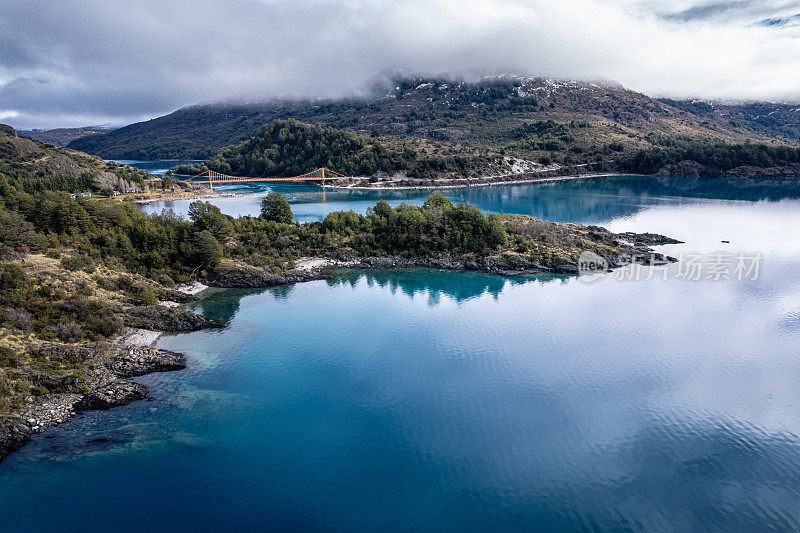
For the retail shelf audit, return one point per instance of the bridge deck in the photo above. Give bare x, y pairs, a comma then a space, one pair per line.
239, 180
212, 177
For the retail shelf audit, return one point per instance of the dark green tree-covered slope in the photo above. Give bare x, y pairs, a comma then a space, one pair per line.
290, 148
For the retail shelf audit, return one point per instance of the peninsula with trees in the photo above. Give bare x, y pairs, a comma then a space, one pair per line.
79, 275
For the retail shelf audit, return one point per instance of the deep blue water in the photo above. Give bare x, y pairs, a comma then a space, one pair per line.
157, 167
397, 400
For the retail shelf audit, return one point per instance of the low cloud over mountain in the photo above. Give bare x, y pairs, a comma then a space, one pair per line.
97, 62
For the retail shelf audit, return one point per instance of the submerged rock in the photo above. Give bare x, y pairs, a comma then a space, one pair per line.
115, 394
14, 434
112, 362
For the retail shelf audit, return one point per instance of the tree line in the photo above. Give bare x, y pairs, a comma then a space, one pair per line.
717, 158
290, 148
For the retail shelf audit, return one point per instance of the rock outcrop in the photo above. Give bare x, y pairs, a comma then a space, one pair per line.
160, 318
647, 239
115, 394
232, 274
109, 391
14, 434
140, 360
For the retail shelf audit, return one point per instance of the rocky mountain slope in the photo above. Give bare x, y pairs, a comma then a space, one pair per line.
566, 121
63, 136
33, 166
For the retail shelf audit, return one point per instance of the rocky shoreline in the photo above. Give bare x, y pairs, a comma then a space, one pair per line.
202, 193
488, 181
112, 389
686, 169
237, 275
637, 249
108, 385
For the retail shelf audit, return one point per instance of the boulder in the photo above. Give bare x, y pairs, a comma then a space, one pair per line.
113, 395
14, 434
140, 360
160, 318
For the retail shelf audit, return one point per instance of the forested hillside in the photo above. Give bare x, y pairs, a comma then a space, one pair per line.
290, 148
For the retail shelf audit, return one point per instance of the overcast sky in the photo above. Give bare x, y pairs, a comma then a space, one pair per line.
71, 63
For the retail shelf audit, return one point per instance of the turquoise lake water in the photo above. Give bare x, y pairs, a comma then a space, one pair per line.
447, 401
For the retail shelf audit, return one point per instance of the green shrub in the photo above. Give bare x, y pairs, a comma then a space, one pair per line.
12, 277
276, 209
78, 262
209, 250
146, 296
8, 357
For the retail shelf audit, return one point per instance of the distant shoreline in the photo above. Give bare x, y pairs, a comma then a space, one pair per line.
195, 195
447, 184
469, 183
489, 183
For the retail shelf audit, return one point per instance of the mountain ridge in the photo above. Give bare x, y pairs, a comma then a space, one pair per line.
488, 114
64, 136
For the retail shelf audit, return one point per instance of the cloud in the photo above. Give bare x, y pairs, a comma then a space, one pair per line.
65, 62
713, 10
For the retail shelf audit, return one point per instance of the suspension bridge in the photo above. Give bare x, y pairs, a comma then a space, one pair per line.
321, 174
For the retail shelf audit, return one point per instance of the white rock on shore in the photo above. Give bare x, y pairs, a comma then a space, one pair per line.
191, 288
138, 337
310, 263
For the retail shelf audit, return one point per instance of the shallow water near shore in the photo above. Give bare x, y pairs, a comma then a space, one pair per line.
463, 401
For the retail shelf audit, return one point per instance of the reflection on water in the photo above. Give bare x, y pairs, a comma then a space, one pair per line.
450, 401
459, 286
456, 285
588, 201
222, 304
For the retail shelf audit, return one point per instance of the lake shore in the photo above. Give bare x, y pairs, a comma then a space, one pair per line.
129, 355
99, 370
201, 194
472, 182
400, 185
526, 178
